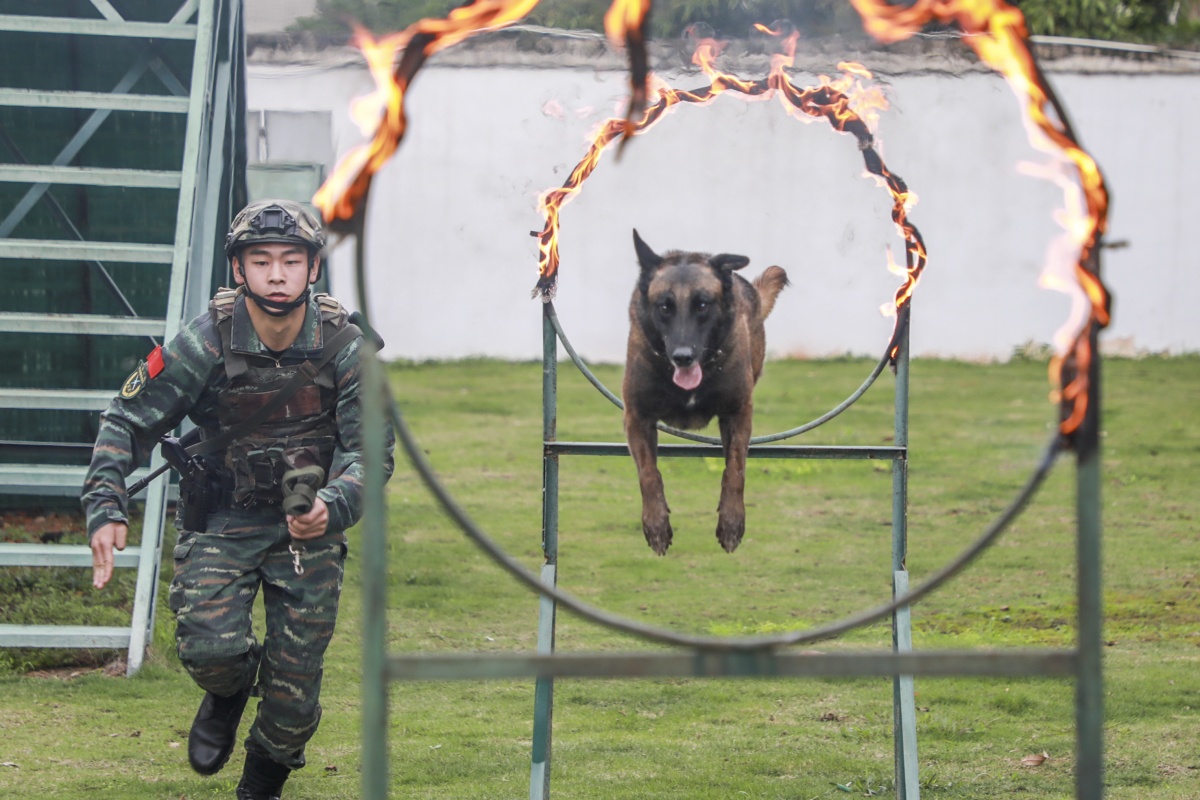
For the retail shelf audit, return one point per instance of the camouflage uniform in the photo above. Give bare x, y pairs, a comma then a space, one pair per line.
245, 541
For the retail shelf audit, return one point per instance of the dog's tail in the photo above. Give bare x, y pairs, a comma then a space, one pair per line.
769, 284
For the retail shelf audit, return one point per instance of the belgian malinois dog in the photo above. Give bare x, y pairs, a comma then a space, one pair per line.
696, 347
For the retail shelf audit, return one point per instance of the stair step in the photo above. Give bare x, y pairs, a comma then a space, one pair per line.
36, 98
90, 176
30, 554
20, 23
63, 636
63, 250
59, 399
49, 479
94, 324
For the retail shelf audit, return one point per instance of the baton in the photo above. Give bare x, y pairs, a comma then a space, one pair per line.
357, 318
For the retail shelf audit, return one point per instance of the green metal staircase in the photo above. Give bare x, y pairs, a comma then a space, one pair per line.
123, 149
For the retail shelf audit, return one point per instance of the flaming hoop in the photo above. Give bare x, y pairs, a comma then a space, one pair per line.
996, 32
846, 104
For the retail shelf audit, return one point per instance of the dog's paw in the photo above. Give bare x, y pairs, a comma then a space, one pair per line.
730, 531
658, 536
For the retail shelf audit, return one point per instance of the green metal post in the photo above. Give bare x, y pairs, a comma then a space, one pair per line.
1089, 685
543, 706
374, 580
904, 731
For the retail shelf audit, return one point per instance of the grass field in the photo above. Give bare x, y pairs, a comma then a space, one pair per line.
817, 548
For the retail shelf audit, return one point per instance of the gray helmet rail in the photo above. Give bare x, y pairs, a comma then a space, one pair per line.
274, 221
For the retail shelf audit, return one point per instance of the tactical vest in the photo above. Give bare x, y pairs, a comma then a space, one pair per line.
302, 433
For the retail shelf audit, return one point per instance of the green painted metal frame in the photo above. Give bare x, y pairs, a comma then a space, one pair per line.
374, 581
731, 664
543, 698
904, 710
904, 713
730, 660
211, 184
1089, 681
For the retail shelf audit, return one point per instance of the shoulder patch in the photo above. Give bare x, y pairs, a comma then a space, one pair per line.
331, 309
135, 383
222, 303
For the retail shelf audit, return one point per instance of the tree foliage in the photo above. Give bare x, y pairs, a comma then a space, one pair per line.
1130, 20
1101, 19
729, 18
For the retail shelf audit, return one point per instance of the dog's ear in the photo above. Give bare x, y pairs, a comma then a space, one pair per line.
647, 258
727, 263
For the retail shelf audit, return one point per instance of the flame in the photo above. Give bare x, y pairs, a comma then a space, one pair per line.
625, 23
624, 16
838, 102
890, 308
867, 100
342, 193
996, 32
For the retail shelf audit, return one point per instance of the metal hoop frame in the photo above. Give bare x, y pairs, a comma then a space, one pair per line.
710, 656
739, 656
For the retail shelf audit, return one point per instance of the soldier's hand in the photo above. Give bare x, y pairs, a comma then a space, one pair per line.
312, 524
110, 535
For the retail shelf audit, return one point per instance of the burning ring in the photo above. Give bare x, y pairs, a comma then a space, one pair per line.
831, 100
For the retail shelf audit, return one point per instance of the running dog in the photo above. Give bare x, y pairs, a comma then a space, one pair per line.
696, 347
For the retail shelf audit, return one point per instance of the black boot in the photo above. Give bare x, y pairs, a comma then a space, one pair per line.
262, 778
214, 730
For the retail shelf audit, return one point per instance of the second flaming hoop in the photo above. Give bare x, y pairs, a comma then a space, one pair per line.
835, 101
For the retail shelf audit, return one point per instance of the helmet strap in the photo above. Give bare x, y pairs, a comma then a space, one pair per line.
275, 308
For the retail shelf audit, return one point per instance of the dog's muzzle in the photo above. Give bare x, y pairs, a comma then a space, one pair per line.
683, 356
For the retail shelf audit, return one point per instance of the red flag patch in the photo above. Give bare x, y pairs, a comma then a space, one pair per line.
154, 362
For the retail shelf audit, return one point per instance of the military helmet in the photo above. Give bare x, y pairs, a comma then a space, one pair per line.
281, 221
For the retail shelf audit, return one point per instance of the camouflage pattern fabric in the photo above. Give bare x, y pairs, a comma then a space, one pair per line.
300, 434
217, 577
187, 382
219, 570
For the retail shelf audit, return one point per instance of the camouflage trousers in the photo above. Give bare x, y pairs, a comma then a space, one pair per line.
218, 574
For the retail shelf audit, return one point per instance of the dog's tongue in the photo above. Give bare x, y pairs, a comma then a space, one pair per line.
688, 377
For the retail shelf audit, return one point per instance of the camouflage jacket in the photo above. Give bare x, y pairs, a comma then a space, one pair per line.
183, 379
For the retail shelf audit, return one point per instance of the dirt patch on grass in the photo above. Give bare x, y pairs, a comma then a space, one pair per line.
113, 668
50, 527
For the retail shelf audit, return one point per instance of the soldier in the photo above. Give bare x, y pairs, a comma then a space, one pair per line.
221, 369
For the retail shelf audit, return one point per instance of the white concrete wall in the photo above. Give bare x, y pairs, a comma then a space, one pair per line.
452, 264
274, 16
